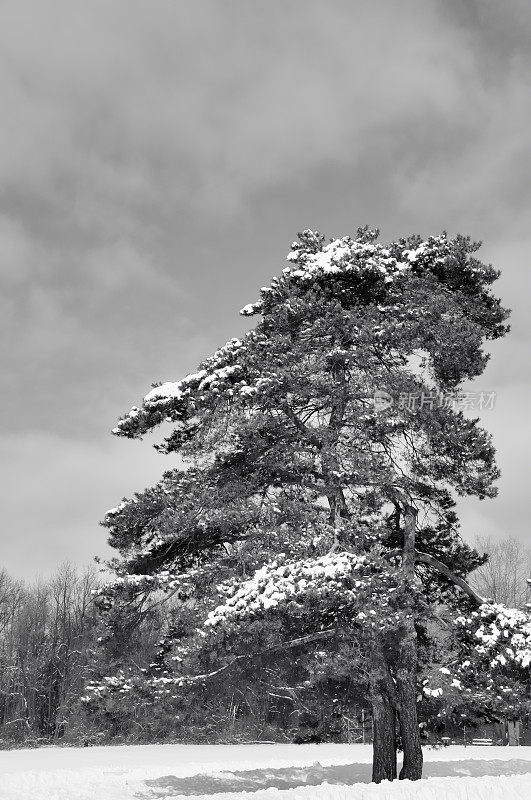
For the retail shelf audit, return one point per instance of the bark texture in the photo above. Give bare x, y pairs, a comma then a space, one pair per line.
406, 680
384, 739
406, 673
383, 701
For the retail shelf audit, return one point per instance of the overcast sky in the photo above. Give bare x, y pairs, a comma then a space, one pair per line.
157, 160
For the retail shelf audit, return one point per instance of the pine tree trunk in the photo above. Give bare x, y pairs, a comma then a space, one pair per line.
406, 673
383, 715
406, 679
384, 739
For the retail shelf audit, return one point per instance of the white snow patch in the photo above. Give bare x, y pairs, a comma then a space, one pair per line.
163, 392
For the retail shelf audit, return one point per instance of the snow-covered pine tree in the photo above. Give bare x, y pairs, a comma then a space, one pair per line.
303, 503
487, 672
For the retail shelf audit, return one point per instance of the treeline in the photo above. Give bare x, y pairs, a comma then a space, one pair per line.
52, 644
48, 641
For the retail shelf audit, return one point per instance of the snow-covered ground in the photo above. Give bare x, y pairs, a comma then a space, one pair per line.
257, 772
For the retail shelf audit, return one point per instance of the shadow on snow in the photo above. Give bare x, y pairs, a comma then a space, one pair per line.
290, 777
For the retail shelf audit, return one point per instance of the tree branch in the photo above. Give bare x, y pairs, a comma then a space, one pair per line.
311, 637
408, 551
430, 561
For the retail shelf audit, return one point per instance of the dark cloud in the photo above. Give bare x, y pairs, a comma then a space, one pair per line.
156, 160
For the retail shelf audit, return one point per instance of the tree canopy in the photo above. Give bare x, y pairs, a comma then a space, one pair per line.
305, 510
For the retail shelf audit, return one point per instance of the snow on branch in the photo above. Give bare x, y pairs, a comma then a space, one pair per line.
176, 401
273, 585
494, 666
503, 634
356, 257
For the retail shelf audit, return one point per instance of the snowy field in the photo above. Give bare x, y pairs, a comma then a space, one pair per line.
257, 772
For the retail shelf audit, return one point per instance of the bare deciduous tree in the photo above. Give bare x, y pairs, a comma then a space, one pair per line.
503, 577
46, 641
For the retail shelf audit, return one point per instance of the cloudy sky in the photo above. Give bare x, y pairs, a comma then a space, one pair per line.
156, 161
